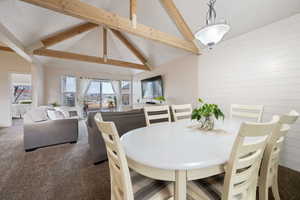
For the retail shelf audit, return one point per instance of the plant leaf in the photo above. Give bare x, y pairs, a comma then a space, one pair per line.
200, 100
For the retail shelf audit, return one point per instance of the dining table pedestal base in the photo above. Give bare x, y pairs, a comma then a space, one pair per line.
180, 185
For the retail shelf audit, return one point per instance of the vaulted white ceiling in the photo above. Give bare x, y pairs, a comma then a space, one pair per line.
30, 23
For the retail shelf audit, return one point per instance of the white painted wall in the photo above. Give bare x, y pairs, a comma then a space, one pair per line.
180, 80
53, 76
9, 63
37, 72
260, 67
21, 79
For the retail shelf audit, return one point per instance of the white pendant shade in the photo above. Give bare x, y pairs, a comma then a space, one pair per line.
212, 34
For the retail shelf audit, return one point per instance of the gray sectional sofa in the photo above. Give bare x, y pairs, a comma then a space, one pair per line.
124, 121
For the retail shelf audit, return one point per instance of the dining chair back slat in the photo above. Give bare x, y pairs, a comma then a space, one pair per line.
181, 111
243, 166
252, 112
248, 148
157, 114
269, 168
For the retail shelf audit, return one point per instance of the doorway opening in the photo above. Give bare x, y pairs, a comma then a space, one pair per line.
21, 94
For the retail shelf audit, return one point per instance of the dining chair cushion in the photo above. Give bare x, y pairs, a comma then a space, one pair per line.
208, 188
145, 188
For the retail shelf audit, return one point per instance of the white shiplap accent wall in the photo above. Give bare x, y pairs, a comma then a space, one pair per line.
260, 67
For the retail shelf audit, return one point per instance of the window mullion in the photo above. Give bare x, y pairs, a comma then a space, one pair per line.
101, 95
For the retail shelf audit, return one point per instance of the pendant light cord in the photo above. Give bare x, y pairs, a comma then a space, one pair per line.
211, 14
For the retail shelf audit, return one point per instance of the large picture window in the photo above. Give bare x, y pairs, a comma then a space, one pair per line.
68, 90
107, 94
101, 95
95, 94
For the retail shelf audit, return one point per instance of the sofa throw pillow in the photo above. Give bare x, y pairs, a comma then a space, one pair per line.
55, 115
64, 110
38, 115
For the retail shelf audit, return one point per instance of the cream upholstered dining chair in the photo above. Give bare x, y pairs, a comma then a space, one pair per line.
126, 184
181, 111
157, 114
241, 171
251, 112
269, 168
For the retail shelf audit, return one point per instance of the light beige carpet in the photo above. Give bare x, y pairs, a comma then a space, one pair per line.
59, 172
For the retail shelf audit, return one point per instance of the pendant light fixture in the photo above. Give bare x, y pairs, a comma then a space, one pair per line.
213, 32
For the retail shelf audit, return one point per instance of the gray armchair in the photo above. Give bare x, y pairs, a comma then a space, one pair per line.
124, 121
48, 132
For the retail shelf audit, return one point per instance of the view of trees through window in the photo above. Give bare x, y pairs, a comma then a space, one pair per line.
22, 94
21, 88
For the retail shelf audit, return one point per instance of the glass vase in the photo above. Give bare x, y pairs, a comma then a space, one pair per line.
207, 124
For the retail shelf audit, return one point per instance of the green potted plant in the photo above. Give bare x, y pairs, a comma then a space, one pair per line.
111, 102
206, 113
25, 102
55, 104
161, 99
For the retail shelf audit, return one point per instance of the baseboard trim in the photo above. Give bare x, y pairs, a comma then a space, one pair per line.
289, 169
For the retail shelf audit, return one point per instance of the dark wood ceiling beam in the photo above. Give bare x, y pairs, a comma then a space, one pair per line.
3, 48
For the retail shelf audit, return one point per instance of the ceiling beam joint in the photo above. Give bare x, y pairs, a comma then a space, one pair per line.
10, 40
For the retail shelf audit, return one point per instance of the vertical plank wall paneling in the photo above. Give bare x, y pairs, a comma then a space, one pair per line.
259, 67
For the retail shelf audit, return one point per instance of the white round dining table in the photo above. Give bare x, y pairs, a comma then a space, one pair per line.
180, 151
